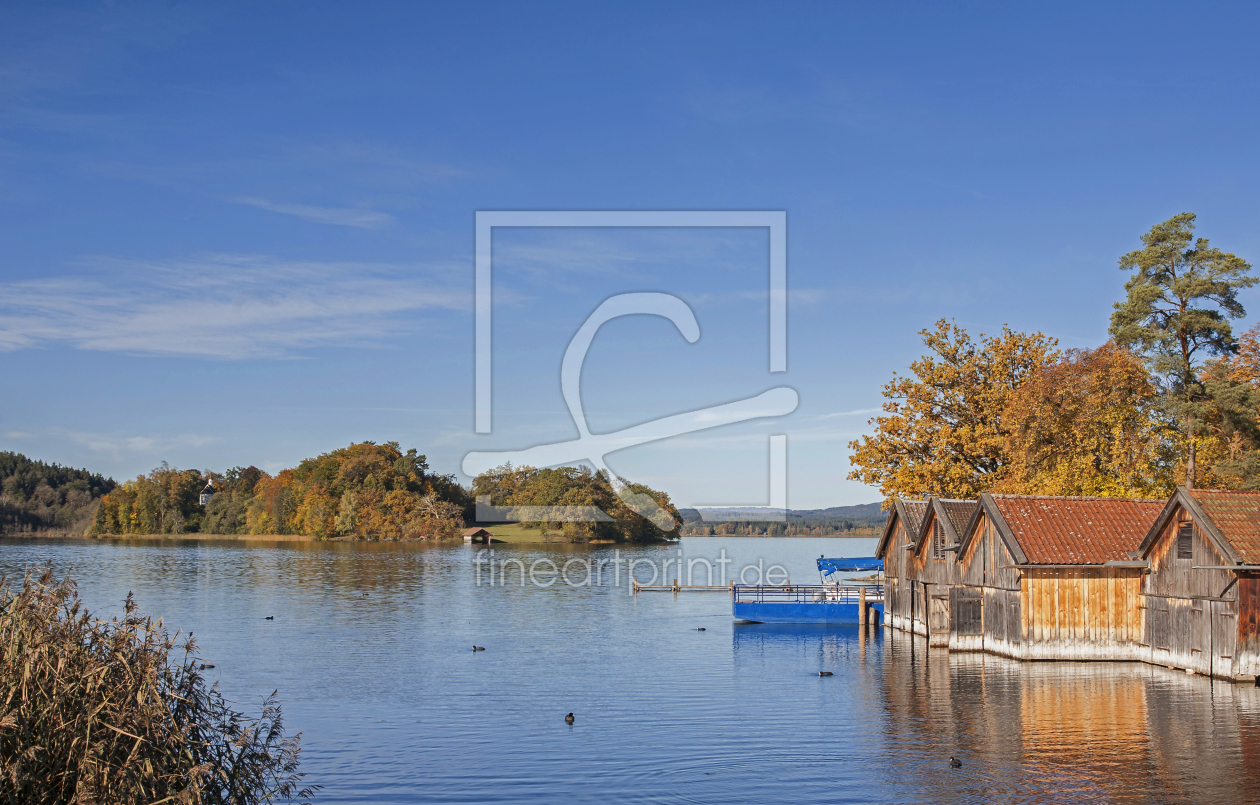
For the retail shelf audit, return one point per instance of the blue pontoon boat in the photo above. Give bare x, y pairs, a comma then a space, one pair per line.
831, 601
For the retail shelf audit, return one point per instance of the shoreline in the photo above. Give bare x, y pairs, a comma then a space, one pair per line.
515, 538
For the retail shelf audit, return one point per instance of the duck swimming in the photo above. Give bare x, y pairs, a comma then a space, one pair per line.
479, 648
569, 719
955, 762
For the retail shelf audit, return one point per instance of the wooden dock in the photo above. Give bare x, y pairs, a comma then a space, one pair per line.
684, 588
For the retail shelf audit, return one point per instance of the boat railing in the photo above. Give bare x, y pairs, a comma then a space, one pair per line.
807, 593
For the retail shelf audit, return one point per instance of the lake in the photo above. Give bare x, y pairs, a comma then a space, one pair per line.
371, 652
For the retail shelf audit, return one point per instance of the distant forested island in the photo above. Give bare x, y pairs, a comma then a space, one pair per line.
366, 491
866, 519
363, 491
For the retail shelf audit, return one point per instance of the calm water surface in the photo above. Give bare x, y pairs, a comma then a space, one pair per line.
371, 645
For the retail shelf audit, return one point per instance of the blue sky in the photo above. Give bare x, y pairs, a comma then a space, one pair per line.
243, 233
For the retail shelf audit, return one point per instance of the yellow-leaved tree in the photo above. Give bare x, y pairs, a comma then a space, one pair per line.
1091, 425
943, 430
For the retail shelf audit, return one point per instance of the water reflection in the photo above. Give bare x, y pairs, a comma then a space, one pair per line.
1062, 732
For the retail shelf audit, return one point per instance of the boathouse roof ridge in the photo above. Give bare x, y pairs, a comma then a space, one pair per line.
954, 516
1229, 519
959, 514
1049, 530
999, 496
911, 512
1237, 516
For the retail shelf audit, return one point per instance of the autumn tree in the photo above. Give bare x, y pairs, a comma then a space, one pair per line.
943, 431
35, 496
1089, 424
366, 490
162, 502
571, 493
1181, 297
1228, 451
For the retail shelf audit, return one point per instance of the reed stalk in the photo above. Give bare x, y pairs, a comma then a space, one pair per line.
98, 711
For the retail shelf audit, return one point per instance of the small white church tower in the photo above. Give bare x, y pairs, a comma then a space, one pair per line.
206, 494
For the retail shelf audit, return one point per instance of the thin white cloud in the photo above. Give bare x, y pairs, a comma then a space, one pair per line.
856, 412
338, 216
120, 443
225, 306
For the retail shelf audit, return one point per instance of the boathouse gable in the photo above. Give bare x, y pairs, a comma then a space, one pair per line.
1181, 547
984, 603
933, 566
989, 550
900, 531
1202, 600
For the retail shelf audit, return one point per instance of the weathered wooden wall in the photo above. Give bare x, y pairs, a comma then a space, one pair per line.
1175, 577
896, 589
987, 562
1085, 613
1247, 634
1192, 618
985, 596
932, 575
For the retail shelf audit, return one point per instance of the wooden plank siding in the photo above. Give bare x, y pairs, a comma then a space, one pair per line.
924, 570
1192, 606
984, 575
1247, 633
1086, 613
900, 531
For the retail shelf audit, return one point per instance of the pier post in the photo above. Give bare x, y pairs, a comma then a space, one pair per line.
862, 606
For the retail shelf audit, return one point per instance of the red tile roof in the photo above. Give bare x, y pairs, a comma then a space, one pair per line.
1077, 531
1237, 516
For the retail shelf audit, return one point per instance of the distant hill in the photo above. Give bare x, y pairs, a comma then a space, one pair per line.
866, 518
35, 496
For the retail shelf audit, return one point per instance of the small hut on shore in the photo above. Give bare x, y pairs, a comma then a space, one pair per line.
1202, 596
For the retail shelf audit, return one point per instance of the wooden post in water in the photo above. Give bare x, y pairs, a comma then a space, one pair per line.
675, 586
862, 606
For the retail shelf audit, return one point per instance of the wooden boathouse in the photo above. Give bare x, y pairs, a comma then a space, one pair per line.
1052, 578
918, 547
1202, 595
931, 561
1173, 583
900, 530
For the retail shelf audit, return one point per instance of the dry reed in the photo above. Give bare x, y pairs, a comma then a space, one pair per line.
96, 711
